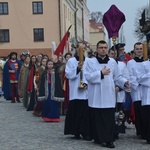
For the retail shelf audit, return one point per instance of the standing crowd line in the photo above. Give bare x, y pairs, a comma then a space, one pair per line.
36, 81
97, 95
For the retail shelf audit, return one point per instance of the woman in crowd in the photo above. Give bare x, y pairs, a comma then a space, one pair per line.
30, 87
66, 85
23, 80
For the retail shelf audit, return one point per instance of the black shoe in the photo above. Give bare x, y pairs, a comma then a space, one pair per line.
138, 133
110, 145
148, 141
116, 137
87, 138
143, 137
18, 101
77, 137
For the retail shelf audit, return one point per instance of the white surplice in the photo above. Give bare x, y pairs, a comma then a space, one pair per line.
101, 92
135, 70
144, 80
74, 79
125, 73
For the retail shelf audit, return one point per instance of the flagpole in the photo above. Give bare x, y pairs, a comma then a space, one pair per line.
53, 49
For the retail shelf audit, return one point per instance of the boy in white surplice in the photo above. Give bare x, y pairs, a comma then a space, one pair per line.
77, 117
134, 68
144, 80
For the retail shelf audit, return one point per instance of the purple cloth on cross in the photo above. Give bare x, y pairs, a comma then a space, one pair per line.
113, 19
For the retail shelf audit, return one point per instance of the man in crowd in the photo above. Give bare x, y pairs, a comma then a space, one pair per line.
77, 117
101, 73
134, 67
112, 53
10, 78
120, 94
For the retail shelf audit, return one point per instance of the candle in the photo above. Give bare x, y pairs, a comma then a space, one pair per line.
81, 53
145, 56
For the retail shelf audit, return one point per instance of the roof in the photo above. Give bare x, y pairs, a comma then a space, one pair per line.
97, 25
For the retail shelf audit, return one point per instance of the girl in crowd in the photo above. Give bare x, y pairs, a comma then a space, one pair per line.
48, 93
39, 104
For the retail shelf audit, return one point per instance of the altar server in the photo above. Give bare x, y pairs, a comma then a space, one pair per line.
134, 67
77, 118
102, 74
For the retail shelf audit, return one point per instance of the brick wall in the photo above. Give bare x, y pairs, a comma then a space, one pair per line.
6, 52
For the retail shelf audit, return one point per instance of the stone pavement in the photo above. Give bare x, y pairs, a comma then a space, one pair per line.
20, 130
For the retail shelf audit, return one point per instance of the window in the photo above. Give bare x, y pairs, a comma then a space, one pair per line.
37, 7
4, 35
38, 34
3, 8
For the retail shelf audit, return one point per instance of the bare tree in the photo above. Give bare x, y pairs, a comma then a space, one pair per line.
97, 16
137, 32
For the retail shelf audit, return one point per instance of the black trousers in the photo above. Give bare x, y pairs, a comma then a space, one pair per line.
102, 124
138, 117
146, 122
77, 118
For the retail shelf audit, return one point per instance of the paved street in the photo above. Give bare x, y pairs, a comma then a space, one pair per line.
20, 130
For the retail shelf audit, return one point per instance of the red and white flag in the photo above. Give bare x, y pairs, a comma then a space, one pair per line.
63, 45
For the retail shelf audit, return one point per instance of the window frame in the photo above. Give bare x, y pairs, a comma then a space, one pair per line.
3, 13
38, 38
37, 2
3, 35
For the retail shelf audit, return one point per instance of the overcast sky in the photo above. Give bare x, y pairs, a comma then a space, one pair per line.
129, 8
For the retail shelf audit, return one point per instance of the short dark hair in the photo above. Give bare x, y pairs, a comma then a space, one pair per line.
111, 50
101, 42
49, 60
30, 65
12, 53
67, 54
132, 52
137, 43
129, 53
46, 56
91, 55
60, 56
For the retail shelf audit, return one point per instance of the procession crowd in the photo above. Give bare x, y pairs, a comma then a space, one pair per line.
98, 93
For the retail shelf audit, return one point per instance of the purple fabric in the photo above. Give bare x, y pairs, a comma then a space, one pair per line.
113, 19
